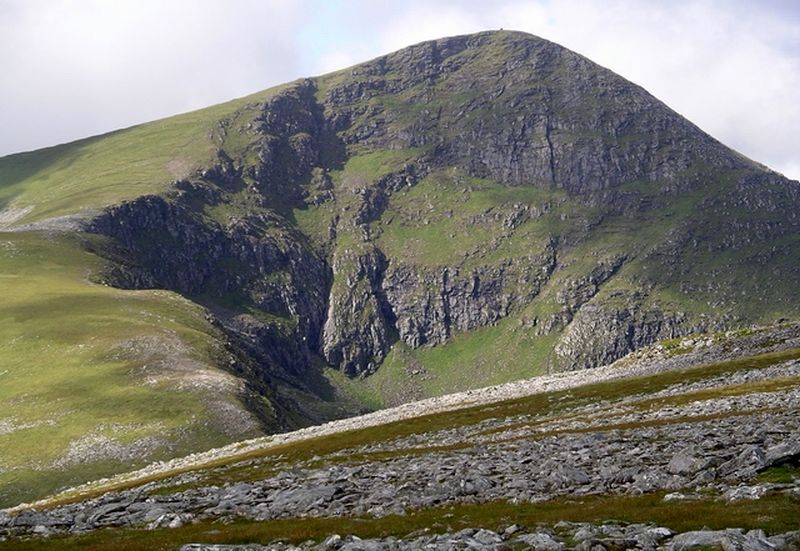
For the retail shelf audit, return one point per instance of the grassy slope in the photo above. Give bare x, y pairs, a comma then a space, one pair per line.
82, 364
774, 513
103, 170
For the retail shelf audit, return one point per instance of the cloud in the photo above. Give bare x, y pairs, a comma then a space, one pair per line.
428, 22
77, 67
335, 60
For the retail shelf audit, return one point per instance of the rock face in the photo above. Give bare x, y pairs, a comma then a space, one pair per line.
358, 327
609, 222
430, 305
522, 110
173, 248
599, 335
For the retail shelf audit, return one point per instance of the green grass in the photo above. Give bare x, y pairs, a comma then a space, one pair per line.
81, 361
89, 174
447, 215
482, 357
783, 474
375, 164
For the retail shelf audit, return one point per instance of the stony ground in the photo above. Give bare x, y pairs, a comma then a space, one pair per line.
564, 535
684, 432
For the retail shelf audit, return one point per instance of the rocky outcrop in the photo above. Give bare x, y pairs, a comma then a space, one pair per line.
359, 326
255, 261
291, 137
708, 442
429, 305
601, 333
542, 115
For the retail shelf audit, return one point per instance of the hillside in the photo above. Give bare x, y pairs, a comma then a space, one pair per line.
692, 443
461, 213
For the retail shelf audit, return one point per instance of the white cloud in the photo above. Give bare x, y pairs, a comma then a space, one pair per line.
428, 21
77, 67
335, 60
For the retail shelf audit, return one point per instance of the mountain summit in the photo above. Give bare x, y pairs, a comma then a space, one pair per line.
459, 213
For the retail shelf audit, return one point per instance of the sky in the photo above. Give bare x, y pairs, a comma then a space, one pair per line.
75, 68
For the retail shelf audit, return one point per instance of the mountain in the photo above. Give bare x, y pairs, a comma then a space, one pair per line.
461, 213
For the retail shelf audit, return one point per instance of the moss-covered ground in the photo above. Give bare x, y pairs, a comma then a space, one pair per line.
774, 513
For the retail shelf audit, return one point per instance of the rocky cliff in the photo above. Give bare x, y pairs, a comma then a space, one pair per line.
418, 200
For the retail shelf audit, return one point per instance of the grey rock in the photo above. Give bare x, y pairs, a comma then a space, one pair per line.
678, 496
600, 333
222, 547
790, 541
585, 532
660, 533
154, 512
333, 541
745, 492
746, 463
170, 520
30, 519
652, 537
42, 530
107, 514
686, 463
353, 543
565, 475
785, 452
729, 540
430, 304
540, 542
357, 330
487, 538
302, 499
591, 545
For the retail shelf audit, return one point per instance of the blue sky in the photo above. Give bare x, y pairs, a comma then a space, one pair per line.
73, 68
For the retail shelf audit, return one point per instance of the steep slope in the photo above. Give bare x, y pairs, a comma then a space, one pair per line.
460, 213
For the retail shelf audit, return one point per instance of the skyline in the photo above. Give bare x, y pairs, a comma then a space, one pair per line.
80, 68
